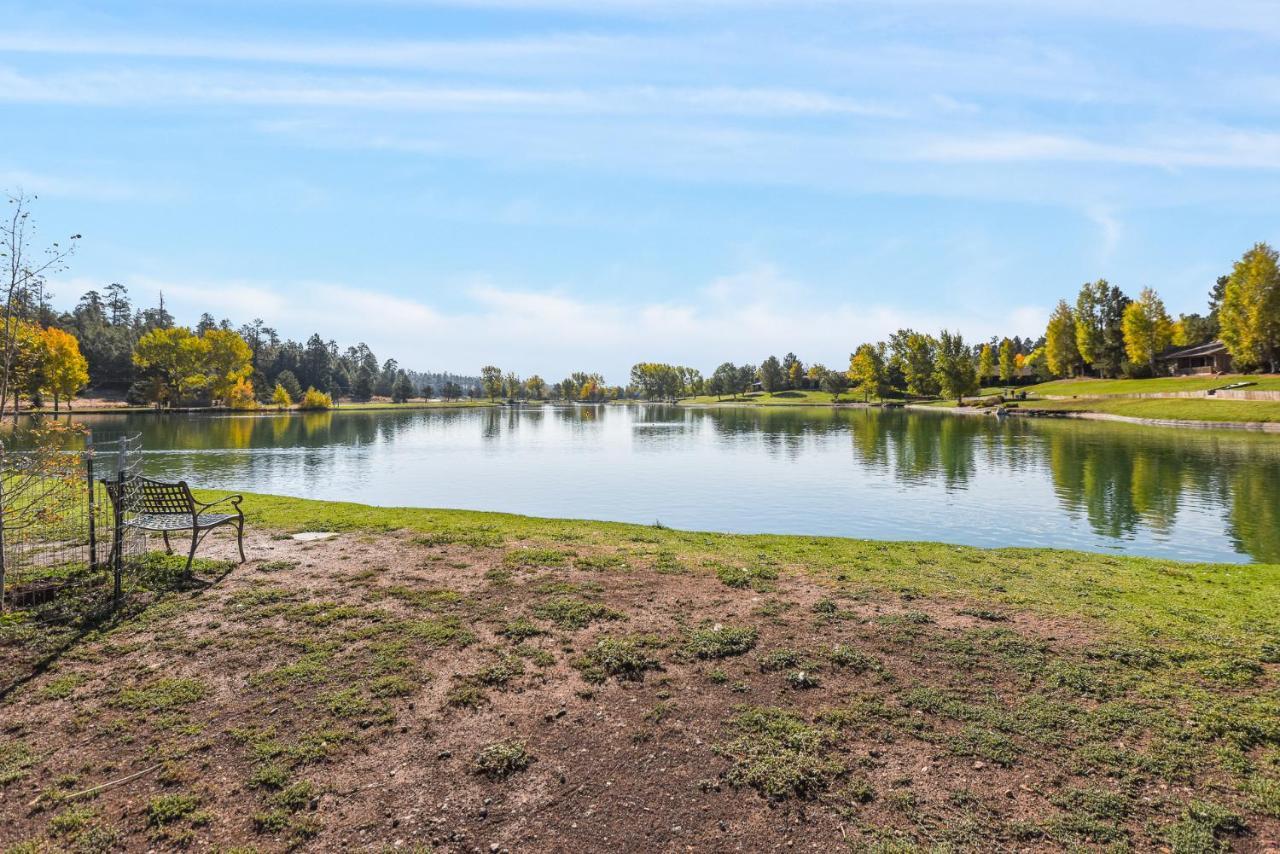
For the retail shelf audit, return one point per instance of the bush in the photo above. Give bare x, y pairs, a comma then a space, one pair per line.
316, 400
240, 396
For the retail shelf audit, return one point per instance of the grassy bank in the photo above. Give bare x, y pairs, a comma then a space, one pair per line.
1158, 385
464, 680
1174, 409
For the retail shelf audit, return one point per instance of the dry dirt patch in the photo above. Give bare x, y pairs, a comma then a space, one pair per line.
365, 692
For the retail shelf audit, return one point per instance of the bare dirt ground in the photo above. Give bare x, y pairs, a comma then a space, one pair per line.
371, 693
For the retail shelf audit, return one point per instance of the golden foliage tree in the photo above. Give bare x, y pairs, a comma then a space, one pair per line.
176, 359
1250, 312
1148, 330
1061, 351
65, 370
228, 361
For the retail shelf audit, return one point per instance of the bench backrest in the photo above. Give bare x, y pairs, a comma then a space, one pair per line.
152, 497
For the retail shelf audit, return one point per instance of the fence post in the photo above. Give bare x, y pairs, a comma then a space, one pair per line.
2, 523
118, 568
93, 510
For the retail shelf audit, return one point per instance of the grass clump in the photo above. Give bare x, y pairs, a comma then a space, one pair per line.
534, 558
779, 659
521, 629
722, 641
570, 613
599, 563
502, 759
1202, 828
161, 695
740, 577
780, 755
852, 659
622, 657
167, 809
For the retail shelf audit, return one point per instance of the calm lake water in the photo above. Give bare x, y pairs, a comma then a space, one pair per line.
1203, 495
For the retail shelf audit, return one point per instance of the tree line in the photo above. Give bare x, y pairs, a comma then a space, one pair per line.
108, 343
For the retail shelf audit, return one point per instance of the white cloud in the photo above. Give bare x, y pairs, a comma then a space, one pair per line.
741, 317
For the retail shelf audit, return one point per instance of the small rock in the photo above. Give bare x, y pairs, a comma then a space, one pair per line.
978, 766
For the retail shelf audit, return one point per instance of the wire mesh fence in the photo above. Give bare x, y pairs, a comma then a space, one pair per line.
59, 555
65, 556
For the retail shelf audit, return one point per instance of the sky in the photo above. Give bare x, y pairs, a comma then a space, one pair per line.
561, 185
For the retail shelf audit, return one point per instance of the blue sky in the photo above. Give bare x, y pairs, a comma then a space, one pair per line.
555, 185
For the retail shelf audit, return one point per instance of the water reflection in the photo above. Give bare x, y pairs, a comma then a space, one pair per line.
873, 473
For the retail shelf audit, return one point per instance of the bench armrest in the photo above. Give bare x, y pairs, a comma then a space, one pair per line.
234, 500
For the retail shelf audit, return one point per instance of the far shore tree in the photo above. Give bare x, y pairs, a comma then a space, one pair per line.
771, 375
22, 289
1099, 332
835, 383
986, 364
1250, 311
491, 379
536, 386
1060, 348
294, 388
1147, 329
866, 372
65, 371
402, 388
175, 357
1007, 361
956, 373
280, 398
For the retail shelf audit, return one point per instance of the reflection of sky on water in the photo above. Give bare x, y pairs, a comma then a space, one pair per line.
885, 475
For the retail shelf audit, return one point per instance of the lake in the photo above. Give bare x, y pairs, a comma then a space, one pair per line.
1187, 494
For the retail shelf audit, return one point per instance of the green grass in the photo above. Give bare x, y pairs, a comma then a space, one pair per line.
1102, 388
1225, 606
1172, 409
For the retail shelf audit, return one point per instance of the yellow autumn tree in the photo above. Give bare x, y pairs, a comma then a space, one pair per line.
1148, 330
1250, 313
228, 361
280, 398
65, 370
175, 359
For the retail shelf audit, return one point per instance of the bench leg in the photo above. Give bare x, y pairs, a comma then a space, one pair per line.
240, 538
168, 549
191, 556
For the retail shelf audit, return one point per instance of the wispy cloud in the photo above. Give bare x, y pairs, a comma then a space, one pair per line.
151, 89
1209, 147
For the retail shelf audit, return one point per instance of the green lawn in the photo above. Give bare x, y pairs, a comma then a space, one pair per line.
1174, 409
1102, 388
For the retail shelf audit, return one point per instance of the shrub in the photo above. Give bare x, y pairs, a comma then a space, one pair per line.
316, 400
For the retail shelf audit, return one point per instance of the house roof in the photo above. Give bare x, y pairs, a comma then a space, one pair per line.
1209, 348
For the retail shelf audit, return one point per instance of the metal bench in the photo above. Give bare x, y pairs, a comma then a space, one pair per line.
153, 505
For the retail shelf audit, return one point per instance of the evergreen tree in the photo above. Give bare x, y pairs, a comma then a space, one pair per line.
290, 382
771, 376
402, 388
